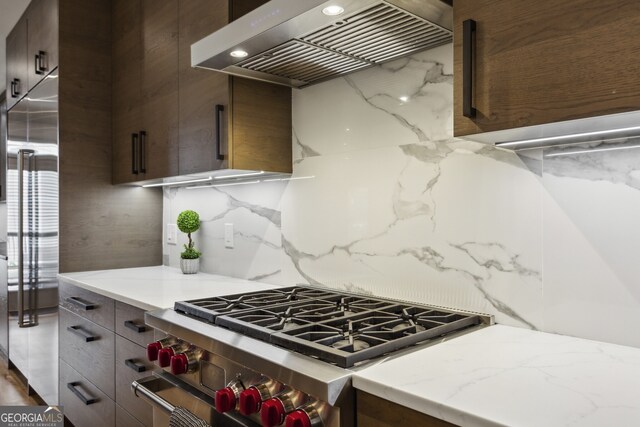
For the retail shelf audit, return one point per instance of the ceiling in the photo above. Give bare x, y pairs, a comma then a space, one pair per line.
10, 12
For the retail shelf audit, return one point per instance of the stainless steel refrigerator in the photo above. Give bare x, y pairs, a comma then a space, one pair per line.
32, 237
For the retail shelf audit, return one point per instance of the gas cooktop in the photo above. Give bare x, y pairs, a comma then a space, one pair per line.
339, 328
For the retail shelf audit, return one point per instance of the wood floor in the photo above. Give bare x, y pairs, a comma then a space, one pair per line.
13, 392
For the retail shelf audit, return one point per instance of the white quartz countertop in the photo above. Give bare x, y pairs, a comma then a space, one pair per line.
505, 376
151, 288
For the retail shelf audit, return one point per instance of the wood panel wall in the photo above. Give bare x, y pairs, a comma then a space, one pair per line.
101, 226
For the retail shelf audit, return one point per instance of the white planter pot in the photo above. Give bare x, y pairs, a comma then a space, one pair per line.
189, 266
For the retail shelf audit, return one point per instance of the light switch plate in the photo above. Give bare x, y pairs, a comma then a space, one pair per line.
172, 234
228, 235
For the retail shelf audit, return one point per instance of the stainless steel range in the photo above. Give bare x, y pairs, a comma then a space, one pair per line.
283, 356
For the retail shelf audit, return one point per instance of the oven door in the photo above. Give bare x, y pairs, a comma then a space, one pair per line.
166, 393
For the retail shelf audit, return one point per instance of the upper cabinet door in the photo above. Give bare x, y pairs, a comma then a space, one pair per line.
537, 62
126, 95
201, 90
42, 51
17, 76
159, 132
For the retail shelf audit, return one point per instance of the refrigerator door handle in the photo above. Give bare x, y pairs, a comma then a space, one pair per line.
21, 308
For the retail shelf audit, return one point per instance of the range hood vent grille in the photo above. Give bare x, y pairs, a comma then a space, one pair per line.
371, 36
380, 33
303, 62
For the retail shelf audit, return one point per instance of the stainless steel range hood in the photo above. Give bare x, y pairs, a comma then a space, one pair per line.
296, 43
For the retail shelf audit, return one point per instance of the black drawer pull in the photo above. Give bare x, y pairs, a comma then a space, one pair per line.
77, 330
136, 328
82, 303
86, 400
138, 367
468, 48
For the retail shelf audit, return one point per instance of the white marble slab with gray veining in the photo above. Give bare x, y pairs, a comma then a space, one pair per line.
505, 376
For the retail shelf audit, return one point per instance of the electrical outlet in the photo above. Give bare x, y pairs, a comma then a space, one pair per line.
172, 234
228, 235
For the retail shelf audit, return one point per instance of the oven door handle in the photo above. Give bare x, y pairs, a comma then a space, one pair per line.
147, 388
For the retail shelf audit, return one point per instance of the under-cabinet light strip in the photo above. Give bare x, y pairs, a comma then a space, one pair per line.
593, 150
195, 187
564, 137
166, 184
239, 175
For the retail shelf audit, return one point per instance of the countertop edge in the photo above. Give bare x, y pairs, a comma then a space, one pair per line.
115, 296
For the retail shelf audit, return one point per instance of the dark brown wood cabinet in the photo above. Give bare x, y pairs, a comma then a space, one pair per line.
376, 412
145, 89
32, 48
200, 90
17, 76
42, 43
126, 87
178, 107
159, 131
538, 62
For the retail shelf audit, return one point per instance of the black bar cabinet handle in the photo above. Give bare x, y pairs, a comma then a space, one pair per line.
143, 157
82, 303
134, 153
85, 335
39, 68
138, 367
15, 88
468, 48
86, 400
136, 328
42, 67
219, 111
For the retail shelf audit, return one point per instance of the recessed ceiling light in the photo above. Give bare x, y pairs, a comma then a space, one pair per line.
332, 10
404, 98
239, 53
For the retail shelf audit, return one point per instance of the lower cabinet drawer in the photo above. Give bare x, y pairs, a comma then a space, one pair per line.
130, 324
89, 349
125, 419
84, 404
131, 365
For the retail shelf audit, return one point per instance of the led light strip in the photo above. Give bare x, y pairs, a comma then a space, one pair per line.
593, 150
187, 181
239, 175
195, 187
560, 138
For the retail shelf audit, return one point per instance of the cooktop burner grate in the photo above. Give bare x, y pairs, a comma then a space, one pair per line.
334, 327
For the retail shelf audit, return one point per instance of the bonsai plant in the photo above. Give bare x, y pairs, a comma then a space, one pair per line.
189, 222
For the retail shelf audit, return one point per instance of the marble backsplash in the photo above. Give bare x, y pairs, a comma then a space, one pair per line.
392, 205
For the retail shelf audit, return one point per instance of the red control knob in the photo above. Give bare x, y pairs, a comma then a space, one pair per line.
225, 400
152, 351
272, 413
298, 419
179, 364
250, 401
164, 356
